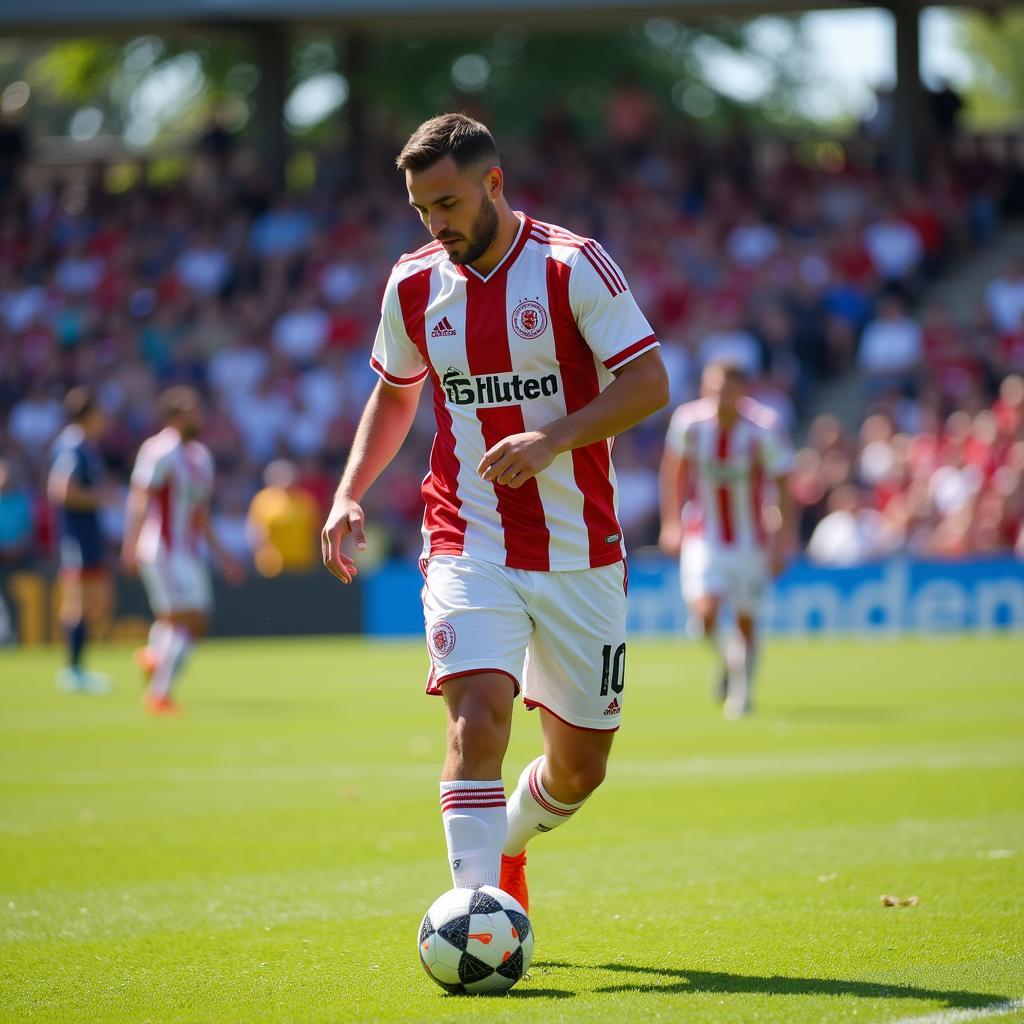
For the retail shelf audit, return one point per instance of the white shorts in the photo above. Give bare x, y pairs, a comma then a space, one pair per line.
734, 575
179, 583
560, 636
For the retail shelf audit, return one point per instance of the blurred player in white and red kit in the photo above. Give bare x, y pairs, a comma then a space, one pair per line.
725, 510
537, 354
167, 534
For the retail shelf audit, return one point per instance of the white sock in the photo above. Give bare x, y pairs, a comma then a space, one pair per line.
750, 663
473, 814
170, 659
532, 809
157, 633
736, 663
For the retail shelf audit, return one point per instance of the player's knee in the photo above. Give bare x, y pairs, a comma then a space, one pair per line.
476, 748
478, 727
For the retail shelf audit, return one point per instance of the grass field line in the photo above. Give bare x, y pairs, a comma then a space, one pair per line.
956, 1016
698, 767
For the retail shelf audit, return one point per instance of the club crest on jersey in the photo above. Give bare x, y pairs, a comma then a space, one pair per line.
442, 638
496, 388
529, 319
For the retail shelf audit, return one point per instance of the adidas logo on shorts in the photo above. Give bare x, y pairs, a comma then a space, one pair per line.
613, 708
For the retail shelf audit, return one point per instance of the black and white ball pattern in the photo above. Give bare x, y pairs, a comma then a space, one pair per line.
476, 940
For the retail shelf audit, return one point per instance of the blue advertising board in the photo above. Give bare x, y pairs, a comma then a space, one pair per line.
894, 596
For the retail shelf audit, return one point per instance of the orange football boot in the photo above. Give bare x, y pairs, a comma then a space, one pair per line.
159, 705
146, 661
513, 879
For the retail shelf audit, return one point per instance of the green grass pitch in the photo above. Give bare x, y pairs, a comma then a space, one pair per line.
267, 856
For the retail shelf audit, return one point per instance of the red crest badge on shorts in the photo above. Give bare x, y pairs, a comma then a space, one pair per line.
442, 638
529, 319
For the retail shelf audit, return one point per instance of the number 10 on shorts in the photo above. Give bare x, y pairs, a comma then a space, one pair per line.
613, 670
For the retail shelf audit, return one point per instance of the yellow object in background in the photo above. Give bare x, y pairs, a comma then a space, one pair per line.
285, 523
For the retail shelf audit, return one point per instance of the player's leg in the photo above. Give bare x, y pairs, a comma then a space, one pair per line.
182, 629
746, 589
97, 606
479, 709
555, 786
72, 621
181, 597
83, 601
477, 632
701, 583
705, 614
742, 658
575, 675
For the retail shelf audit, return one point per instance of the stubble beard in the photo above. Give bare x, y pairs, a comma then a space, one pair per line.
481, 234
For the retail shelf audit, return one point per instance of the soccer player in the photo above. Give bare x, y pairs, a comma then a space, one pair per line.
725, 510
77, 489
537, 354
167, 528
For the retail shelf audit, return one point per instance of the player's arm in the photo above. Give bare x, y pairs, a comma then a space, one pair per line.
672, 483
783, 536
640, 388
230, 568
134, 513
63, 487
383, 428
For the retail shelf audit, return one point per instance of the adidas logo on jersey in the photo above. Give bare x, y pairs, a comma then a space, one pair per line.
443, 329
613, 708
496, 388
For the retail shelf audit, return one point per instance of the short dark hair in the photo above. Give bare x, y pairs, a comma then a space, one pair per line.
177, 400
78, 403
729, 369
466, 141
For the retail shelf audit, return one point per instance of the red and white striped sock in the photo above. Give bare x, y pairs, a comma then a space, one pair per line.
473, 814
532, 809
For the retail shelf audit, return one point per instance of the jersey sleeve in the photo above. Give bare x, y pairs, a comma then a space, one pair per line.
68, 465
606, 312
778, 450
677, 436
150, 470
395, 358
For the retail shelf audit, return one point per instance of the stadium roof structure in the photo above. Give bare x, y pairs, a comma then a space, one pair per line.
63, 16
269, 21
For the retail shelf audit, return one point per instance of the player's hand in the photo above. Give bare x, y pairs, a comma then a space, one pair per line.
129, 563
346, 517
516, 459
670, 540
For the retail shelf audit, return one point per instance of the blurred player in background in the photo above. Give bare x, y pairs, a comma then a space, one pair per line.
166, 535
537, 354
725, 510
77, 490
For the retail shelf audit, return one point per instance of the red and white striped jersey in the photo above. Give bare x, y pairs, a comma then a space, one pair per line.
534, 340
731, 472
178, 475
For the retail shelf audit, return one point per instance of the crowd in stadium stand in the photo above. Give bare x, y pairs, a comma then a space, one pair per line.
801, 270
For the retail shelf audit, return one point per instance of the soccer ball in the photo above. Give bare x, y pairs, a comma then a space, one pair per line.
475, 939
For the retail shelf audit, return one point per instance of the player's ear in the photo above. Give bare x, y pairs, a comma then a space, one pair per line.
494, 182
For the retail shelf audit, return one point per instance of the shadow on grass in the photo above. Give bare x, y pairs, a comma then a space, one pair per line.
528, 993
778, 985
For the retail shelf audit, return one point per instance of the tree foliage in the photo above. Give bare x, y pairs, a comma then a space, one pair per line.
154, 89
994, 45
